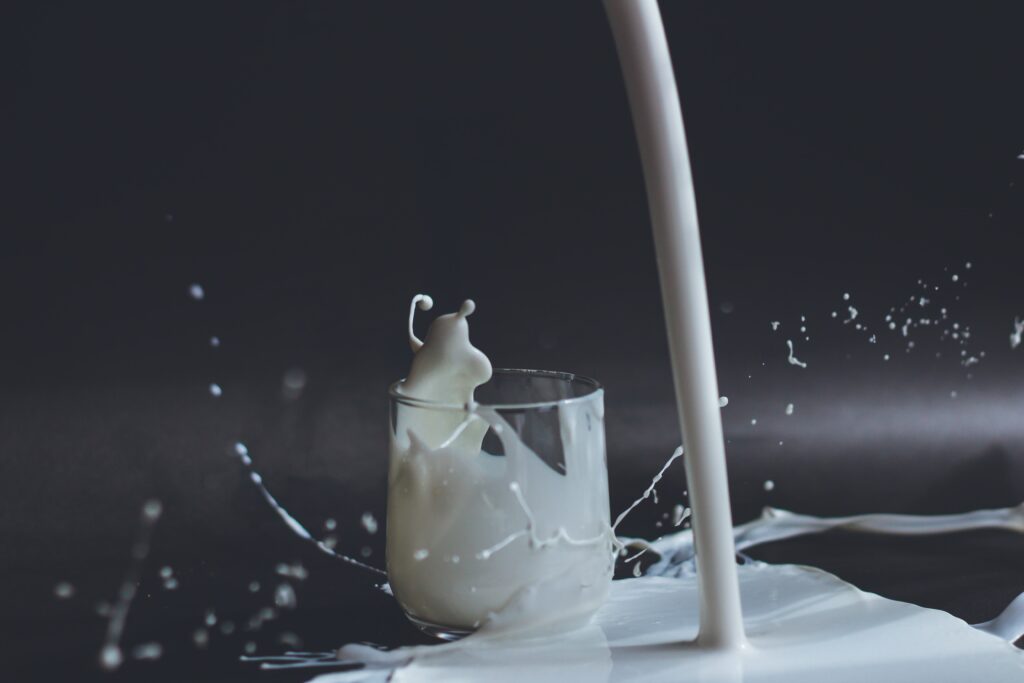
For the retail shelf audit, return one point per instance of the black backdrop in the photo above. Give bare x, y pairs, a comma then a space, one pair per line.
314, 164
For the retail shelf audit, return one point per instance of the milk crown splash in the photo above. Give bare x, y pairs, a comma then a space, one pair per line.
446, 367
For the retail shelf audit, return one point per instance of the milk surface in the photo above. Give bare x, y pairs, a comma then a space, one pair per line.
804, 626
471, 534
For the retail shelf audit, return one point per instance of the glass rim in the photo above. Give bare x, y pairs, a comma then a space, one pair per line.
595, 390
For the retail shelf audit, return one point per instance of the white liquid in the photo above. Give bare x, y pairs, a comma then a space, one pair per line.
297, 528
643, 50
803, 626
470, 535
677, 550
793, 360
111, 656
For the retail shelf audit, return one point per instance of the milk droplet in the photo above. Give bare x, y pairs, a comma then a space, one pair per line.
775, 325
366, 551
679, 514
152, 509
955, 277
63, 590
215, 390
789, 409
953, 394
284, 596
723, 401
214, 342
793, 360
166, 572
769, 485
295, 571
254, 586
330, 524
293, 383
267, 614
421, 554
250, 648
753, 421
885, 357
846, 297
210, 618
148, 651
195, 291
227, 627
290, 639
1018, 332
369, 522
111, 657
201, 637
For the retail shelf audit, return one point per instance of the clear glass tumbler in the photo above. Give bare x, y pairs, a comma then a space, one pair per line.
498, 511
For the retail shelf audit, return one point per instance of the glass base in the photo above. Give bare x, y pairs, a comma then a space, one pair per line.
447, 633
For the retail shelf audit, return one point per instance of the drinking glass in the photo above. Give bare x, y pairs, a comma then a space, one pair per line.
498, 510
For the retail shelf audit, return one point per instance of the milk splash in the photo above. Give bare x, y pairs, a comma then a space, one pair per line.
111, 656
635, 635
676, 551
242, 452
789, 612
923, 309
793, 360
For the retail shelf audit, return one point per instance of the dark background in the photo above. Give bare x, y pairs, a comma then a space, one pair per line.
314, 164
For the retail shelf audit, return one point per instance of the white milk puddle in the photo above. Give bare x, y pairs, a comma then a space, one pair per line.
803, 625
